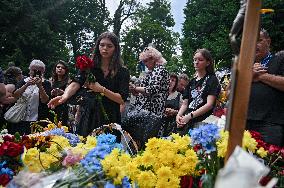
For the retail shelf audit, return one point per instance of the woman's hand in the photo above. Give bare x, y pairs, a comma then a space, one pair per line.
132, 88
38, 81
186, 118
57, 92
96, 87
179, 121
31, 81
170, 112
56, 101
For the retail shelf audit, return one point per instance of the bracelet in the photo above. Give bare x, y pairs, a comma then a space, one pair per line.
191, 115
103, 92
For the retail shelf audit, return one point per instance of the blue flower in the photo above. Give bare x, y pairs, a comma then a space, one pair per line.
3, 164
7, 171
106, 139
109, 185
206, 136
73, 139
56, 131
125, 182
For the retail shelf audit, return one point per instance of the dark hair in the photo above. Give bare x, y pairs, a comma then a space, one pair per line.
207, 55
66, 75
116, 61
173, 75
10, 75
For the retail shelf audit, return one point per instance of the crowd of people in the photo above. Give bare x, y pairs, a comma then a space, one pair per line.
158, 103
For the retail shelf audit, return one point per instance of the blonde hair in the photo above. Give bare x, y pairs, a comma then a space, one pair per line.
150, 52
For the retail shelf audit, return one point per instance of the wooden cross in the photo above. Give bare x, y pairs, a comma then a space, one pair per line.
242, 77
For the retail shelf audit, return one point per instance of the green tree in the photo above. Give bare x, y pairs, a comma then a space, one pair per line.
85, 21
274, 24
26, 33
125, 10
207, 25
154, 25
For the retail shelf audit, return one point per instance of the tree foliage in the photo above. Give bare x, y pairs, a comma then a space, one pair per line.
274, 23
207, 25
125, 10
84, 22
26, 33
154, 25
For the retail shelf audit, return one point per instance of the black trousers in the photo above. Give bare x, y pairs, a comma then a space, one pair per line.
272, 133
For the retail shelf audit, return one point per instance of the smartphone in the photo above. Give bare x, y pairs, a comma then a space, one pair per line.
37, 73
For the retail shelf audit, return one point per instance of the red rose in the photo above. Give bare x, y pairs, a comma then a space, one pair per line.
83, 63
197, 147
4, 179
273, 149
9, 138
11, 149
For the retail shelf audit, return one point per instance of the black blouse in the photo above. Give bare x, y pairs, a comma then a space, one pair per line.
117, 84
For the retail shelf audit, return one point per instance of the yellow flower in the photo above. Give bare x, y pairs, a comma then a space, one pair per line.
115, 165
172, 182
65, 129
262, 152
147, 159
51, 126
222, 143
91, 142
146, 179
249, 142
164, 172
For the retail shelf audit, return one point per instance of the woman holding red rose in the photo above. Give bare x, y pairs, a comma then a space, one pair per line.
112, 81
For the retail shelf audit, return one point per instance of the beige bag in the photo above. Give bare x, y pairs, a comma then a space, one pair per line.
18, 111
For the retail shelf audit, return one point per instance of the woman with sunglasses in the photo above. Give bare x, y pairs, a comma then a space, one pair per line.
146, 110
59, 82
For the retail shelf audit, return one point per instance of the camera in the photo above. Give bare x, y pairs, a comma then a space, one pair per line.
37, 73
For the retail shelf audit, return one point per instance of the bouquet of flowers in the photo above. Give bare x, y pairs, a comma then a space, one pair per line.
272, 156
11, 149
162, 164
210, 144
84, 63
89, 172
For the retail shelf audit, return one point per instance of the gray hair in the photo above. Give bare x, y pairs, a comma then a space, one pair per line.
37, 63
183, 76
265, 33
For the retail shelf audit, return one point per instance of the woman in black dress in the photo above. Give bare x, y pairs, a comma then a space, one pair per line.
112, 80
60, 80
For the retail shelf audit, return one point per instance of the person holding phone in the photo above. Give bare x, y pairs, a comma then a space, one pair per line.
266, 104
37, 91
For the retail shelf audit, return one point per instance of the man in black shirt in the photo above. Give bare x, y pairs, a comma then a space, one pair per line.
266, 105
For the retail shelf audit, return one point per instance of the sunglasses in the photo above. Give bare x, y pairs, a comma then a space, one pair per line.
60, 67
